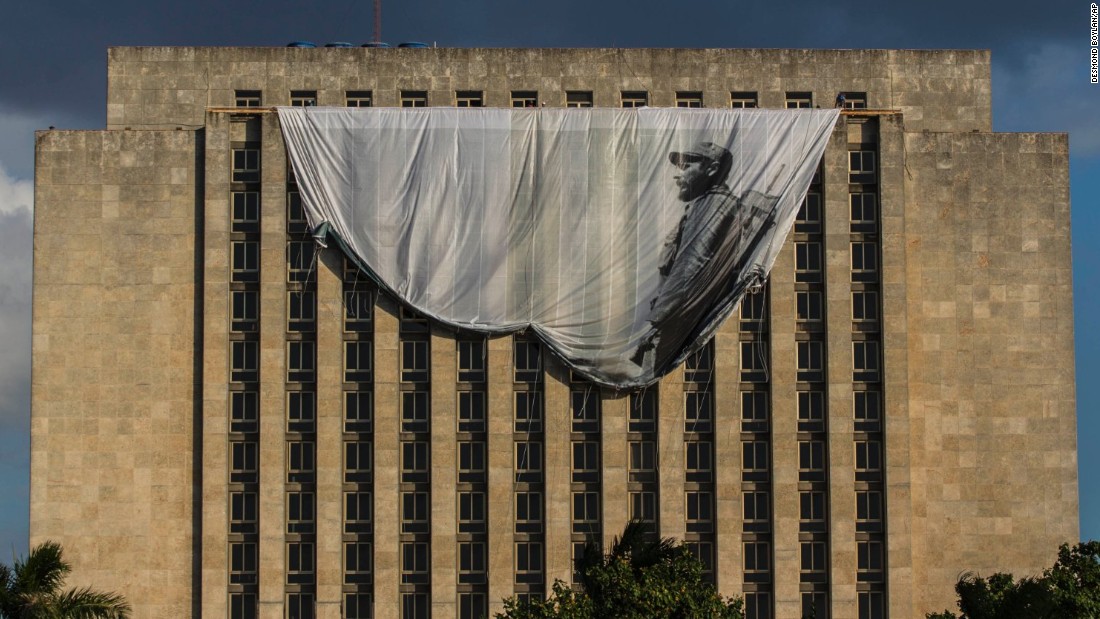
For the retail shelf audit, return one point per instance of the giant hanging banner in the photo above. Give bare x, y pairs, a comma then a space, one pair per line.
622, 238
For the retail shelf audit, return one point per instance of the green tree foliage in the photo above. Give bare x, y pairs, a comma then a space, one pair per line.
31, 589
1069, 590
637, 579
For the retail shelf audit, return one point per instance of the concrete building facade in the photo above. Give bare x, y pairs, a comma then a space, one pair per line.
230, 422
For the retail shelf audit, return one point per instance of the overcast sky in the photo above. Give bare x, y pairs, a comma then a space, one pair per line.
53, 61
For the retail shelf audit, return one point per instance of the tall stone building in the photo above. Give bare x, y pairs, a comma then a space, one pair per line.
230, 422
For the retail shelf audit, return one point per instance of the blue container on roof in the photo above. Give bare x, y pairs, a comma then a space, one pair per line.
376, 44
413, 44
301, 44
338, 44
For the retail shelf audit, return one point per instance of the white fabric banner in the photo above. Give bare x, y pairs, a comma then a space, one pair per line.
622, 238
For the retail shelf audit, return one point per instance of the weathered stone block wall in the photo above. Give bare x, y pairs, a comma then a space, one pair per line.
113, 396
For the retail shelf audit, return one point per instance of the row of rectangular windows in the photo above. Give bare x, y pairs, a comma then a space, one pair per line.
573, 98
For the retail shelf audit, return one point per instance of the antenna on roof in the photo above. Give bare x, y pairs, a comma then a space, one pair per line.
377, 21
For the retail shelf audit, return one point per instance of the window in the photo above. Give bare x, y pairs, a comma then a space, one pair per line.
469, 98
698, 411
471, 411
643, 411
528, 458
758, 605
247, 98
585, 404
699, 366
643, 506
812, 556
811, 361
472, 606
301, 458
754, 361
525, 98
242, 461
864, 259
643, 457
357, 361
357, 561
243, 606
586, 508
415, 409
245, 211
246, 261
757, 556
808, 305
244, 409
471, 562
414, 361
357, 461
754, 411
868, 456
302, 311
635, 98
809, 214
414, 605
528, 361
528, 512
358, 411
854, 100
743, 99
528, 411
471, 511
301, 362
245, 309
299, 559
246, 165
299, 260
303, 98
868, 506
357, 512
757, 506
242, 512
807, 262
700, 460
811, 506
301, 411
414, 457
868, 410
864, 305
358, 310
586, 461
811, 411
471, 457
872, 605
528, 559
300, 512
865, 361
752, 306
861, 163
864, 208
471, 361
869, 561
815, 603
704, 552
358, 98
754, 456
700, 507
243, 361
799, 100
357, 606
578, 98
414, 512
414, 98
689, 99
296, 222
242, 563
414, 564
811, 460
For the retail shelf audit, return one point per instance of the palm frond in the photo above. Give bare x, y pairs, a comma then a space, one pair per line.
43, 571
87, 604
